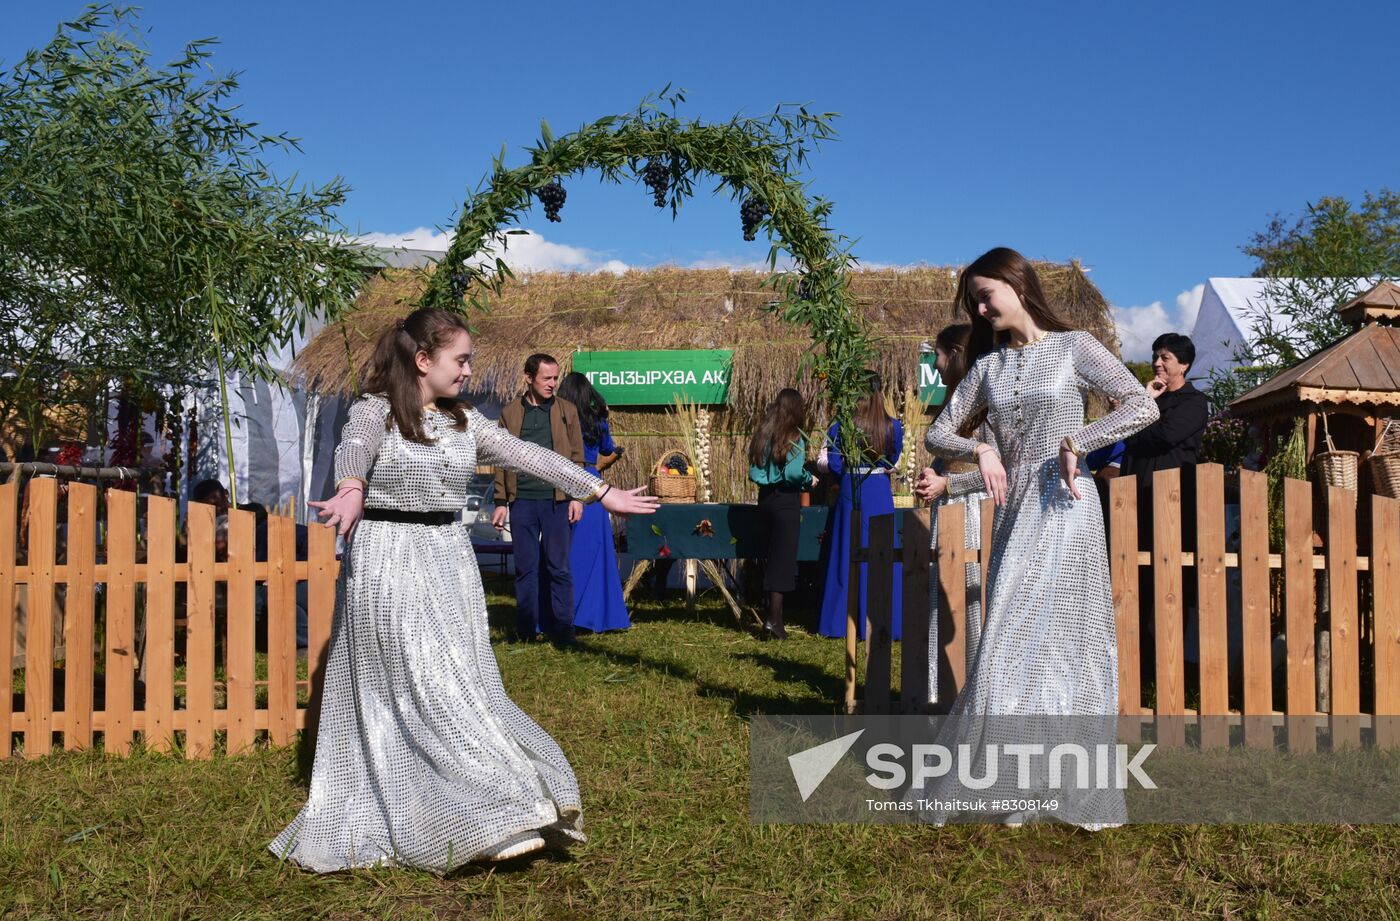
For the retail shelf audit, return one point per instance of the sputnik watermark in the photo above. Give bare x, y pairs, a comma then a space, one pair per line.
888, 771
1107, 765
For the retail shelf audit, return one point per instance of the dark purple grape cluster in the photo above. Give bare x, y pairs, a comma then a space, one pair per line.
677, 463
552, 197
459, 285
751, 212
658, 179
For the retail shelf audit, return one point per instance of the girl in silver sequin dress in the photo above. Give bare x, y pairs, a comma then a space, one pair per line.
1048, 656
421, 758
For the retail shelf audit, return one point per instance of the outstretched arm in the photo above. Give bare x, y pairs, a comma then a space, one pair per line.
354, 457
499, 448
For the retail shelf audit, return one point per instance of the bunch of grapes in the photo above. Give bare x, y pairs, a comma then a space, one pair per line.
677, 463
751, 212
658, 179
459, 286
552, 197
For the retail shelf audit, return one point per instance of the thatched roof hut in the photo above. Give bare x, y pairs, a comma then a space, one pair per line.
673, 308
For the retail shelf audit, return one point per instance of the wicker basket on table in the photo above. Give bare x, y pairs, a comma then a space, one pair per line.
1385, 461
673, 487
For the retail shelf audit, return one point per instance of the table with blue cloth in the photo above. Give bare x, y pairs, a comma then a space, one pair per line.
710, 531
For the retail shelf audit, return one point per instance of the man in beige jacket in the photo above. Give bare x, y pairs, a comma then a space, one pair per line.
541, 517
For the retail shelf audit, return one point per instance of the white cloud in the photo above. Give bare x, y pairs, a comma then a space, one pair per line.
417, 238
524, 252
1139, 325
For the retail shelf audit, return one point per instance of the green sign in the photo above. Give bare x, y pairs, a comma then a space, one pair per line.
656, 378
932, 392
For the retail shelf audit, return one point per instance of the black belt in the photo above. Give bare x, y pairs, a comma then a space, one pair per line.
402, 517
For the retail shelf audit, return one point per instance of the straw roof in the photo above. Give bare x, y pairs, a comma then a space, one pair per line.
671, 308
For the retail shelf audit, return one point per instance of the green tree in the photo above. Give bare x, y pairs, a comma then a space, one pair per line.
144, 237
1312, 263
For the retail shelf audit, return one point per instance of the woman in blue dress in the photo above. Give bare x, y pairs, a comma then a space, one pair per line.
881, 440
598, 603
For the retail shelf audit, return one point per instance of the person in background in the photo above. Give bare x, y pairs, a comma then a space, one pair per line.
541, 515
881, 438
211, 492
777, 455
1172, 442
955, 481
598, 602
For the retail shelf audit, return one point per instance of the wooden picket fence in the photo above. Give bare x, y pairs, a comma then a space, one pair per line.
110, 567
1377, 624
115, 586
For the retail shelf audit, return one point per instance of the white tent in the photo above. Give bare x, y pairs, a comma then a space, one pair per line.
1226, 320
1230, 311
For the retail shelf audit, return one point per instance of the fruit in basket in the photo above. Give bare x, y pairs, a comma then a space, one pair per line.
673, 472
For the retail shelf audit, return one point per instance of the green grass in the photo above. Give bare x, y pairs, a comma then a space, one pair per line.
653, 721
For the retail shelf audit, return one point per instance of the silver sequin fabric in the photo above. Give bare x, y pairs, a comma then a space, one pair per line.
422, 759
1048, 646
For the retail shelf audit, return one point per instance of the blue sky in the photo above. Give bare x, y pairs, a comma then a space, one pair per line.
1148, 141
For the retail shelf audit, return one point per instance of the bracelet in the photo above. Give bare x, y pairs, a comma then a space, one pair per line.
353, 481
1069, 445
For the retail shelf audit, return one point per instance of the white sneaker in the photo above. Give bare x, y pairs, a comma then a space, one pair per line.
516, 846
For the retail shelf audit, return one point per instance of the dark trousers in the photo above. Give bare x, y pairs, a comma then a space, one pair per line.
544, 589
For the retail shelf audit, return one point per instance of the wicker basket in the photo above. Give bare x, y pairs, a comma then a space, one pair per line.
1333, 467
905, 500
1385, 462
677, 487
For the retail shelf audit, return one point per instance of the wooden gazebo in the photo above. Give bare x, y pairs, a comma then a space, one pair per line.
1355, 382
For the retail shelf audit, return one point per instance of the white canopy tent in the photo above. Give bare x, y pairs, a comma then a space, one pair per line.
1226, 320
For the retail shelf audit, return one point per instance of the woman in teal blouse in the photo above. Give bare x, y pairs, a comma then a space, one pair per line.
777, 455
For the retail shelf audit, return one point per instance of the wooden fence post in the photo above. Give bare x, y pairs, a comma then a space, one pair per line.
1210, 606
199, 632
38, 661
160, 623
1254, 590
916, 654
240, 633
121, 622
1385, 585
1123, 569
8, 499
281, 629
78, 627
1345, 632
1167, 607
1300, 604
951, 557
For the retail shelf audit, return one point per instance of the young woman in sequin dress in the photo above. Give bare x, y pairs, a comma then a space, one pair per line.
421, 758
1048, 655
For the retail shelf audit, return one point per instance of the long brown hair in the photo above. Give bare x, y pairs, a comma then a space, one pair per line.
779, 430
953, 341
1004, 264
394, 368
874, 423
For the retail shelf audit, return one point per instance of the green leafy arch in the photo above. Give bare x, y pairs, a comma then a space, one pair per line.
753, 159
